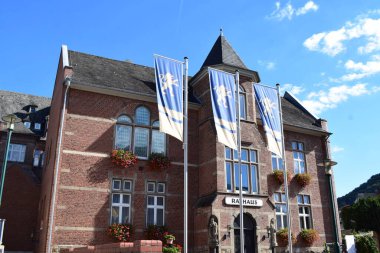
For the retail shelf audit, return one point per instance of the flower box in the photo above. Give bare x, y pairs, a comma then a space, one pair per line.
158, 161
121, 232
303, 179
279, 176
309, 236
124, 158
282, 237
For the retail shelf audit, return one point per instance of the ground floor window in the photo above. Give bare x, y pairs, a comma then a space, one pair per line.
281, 210
304, 211
155, 209
121, 201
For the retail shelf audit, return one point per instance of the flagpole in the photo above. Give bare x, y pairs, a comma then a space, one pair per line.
185, 150
290, 246
240, 171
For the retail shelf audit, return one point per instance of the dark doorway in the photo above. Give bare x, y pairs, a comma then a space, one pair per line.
249, 234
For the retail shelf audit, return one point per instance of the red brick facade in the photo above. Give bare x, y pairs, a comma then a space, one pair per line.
85, 172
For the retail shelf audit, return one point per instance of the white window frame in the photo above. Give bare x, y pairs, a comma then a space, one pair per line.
37, 158
155, 207
20, 150
303, 215
27, 124
154, 187
120, 205
299, 160
130, 184
242, 93
147, 143
250, 165
283, 215
121, 192
278, 161
158, 187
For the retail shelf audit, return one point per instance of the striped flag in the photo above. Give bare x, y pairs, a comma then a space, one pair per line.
169, 89
267, 99
222, 89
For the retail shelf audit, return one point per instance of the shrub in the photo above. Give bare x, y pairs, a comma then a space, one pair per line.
121, 232
303, 179
309, 236
158, 161
175, 248
154, 232
279, 176
282, 237
169, 236
123, 158
365, 244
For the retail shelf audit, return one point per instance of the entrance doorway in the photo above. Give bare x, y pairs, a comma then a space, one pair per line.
250, 243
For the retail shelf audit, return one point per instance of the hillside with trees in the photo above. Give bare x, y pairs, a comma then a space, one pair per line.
371, 186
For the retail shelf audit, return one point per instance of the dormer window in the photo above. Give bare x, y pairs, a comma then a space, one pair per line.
37, 126
32, 108
27, 124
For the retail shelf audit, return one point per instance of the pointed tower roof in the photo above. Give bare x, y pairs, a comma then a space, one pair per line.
223, 53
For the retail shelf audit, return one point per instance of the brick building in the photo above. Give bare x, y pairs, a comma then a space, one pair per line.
100, 103
25, 160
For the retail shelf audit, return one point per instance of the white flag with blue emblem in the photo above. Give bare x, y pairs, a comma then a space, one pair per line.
267, 99
222, 89
169, 89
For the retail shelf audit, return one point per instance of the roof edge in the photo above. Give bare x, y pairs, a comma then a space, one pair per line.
295, 101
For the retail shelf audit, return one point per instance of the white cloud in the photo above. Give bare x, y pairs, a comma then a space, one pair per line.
288, 11
336, 149
294, 89
269, 65
332, 42
322, 100
359, 70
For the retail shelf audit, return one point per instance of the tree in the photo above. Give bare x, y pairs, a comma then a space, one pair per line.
363, 215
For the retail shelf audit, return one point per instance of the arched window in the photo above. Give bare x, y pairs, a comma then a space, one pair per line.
158, 139
142, 116
141, 134
123, 133
243, 103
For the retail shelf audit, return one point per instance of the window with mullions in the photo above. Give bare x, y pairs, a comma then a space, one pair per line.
121, 201
140, 137
155, 204
16, 152
277, 162
249, 166
298, 157
304, 211
243, 103
281, 210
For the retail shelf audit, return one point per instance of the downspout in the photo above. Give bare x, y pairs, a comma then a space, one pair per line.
67, 82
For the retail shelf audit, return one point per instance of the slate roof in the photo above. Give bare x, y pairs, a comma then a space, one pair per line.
292, 115
99, 72
223, 53
18, 104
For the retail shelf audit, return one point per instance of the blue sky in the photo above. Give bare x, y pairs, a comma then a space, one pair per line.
326, 52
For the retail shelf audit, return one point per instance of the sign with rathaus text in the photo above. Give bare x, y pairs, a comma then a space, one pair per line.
234, 201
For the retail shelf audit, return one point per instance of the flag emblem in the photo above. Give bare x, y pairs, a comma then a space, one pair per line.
169, 89
168, 81
222, 89
269, 108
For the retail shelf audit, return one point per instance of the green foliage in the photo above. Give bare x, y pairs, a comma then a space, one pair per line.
366, 214
282, 237
365, 244
121, 232
171, 249
158, 161
346, 215
303, 179
169, 236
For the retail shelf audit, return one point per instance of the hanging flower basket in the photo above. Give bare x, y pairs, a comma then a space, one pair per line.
174, 248
309, 236
169, 238
303, 179
282, 237
279, 176
158, 161
123, 158
120, 232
